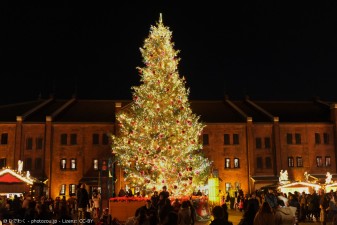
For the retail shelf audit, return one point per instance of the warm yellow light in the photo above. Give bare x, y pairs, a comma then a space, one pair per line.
213, 190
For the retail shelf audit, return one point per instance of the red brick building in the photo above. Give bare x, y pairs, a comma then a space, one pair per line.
64, 142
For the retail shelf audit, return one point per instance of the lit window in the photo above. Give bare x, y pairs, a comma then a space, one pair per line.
319, 162
63, 189
95, 164
227, 163
63, 164
73, 164
228, 187
236, 163
72, 189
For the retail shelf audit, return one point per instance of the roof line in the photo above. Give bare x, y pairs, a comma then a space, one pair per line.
20, 103
229, 102
322, 102
273, 118
59, 110
29, 112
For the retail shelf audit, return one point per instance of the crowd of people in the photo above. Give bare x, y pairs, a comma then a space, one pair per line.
258, 208
276, 208
32, 209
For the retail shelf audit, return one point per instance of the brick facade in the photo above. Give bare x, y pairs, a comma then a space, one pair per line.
248, 142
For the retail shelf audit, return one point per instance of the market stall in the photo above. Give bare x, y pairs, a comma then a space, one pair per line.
15, 183
125, 207
300, 187
330, 187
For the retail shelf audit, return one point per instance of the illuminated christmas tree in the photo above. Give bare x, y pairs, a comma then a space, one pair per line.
159, 136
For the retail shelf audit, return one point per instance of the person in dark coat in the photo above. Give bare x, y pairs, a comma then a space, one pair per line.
82, 201
218, 214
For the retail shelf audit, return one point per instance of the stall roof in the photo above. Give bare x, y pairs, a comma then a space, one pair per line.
300, 184
10, 176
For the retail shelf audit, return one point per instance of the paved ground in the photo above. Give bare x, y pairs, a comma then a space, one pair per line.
235, 216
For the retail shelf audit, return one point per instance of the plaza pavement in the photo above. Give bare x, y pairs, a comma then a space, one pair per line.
235, 217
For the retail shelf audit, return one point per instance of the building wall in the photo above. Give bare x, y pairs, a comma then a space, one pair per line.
218, 152
84, 152
7, 150
246, 150
308, 150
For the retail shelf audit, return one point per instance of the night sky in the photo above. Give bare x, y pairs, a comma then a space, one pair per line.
269, 51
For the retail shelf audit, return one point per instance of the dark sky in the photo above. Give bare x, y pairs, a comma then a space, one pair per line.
258, 48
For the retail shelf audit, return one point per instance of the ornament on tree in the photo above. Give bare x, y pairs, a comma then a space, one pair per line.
165, 143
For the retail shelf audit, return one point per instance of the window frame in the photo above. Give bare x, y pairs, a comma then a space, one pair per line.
37, 163
267, 142
317, 138
226, 139
326, 139
95, 139
258, 143
63, 139
236, 139
105, 139
319, 161
63, 166
299, 161
3, 161
4, 139
298, 138
63, 189
289, 139
291, 161
73, 139
327, 162
236, 163
39, 143
28, 164
29, 143
72, 189
94, 163
73, 161
227, 163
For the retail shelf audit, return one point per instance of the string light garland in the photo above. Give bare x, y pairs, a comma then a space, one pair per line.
159, 136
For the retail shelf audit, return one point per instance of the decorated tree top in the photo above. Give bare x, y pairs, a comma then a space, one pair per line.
159, 136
